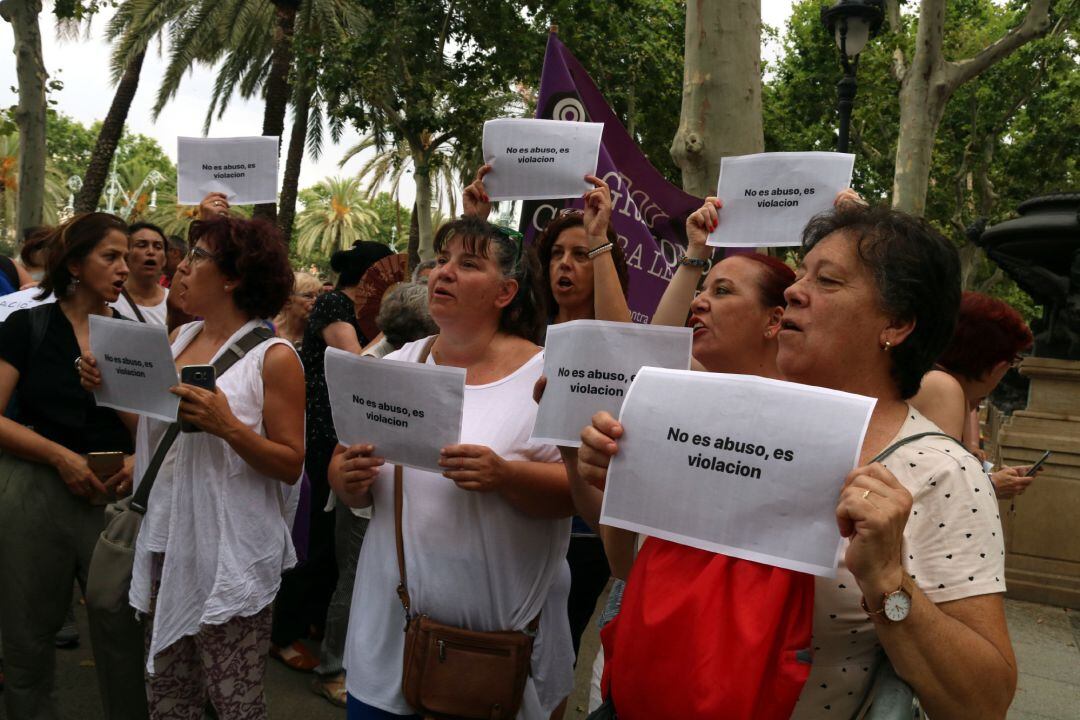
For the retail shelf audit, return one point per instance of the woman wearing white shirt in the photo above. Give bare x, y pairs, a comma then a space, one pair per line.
143, 297
485, 540
215, 538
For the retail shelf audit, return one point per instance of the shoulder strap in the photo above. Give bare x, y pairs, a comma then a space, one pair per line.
252, 339
910, 438
134, 307
39, 325
399, 503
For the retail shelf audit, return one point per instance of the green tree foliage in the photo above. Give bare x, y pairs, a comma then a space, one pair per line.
1007, 135
633, 50
335, 215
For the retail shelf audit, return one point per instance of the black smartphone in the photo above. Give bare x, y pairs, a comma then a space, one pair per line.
1038, 464
203, 376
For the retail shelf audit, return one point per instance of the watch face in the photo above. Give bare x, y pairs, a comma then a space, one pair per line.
897, 606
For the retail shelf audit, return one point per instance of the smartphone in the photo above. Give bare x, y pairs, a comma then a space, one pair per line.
1038, 464
203, 376
105, 464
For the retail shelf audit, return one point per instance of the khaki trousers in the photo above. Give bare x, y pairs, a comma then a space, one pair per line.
47, 536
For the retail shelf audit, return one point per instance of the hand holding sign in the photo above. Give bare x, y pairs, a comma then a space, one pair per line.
244, 169
474, 198
539, 159
769, 197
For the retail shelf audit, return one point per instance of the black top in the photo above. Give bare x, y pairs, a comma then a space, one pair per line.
51, 400
331, 307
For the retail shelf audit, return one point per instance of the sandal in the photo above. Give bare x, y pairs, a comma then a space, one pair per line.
295, 656
333, 689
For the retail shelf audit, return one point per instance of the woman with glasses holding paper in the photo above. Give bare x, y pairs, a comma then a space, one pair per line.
922, 573
215, 538
63, 459
484, 541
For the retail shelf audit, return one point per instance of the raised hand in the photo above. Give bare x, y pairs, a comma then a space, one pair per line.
474, 198
598, 446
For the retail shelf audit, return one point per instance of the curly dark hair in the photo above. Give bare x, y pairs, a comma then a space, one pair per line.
72, 242
254, 253
526, 315
917, 275
546, 241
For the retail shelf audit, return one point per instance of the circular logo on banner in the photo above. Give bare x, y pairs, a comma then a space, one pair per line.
567, 106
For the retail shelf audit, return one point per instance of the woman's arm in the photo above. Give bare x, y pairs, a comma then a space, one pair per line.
538, 489
280, 454
675, 304
23, 442
609, 301
342, 335
956, 656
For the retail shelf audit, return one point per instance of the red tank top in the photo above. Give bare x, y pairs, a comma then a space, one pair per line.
702, 636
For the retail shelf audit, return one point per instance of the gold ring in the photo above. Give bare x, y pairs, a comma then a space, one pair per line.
866, 494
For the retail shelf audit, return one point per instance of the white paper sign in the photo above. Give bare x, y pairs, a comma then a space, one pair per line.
589, 365
769, 197
539, 159
137, 367
20, 300
736, 464
245, 169
408, 411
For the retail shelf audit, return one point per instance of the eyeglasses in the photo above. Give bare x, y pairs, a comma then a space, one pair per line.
197, 254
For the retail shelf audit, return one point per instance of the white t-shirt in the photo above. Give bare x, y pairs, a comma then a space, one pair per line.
21, 299
472, 560
953, 549
223, 527
153, 314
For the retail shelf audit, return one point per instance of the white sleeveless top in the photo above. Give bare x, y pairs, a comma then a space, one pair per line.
221, 525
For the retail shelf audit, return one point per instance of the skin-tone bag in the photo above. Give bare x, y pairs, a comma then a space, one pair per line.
451, 672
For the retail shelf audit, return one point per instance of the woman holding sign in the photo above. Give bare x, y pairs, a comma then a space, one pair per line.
923, 567
62, 461
215, 538
484, 541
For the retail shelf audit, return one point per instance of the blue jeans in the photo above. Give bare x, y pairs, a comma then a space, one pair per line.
356, 710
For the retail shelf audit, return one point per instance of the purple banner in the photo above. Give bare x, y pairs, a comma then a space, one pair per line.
649, 214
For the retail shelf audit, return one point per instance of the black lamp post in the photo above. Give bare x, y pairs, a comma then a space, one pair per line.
852, 23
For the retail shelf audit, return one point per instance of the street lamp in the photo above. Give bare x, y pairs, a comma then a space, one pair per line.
74, 185
852, 23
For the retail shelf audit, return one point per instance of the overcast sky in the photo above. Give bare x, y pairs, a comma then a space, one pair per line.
83, 67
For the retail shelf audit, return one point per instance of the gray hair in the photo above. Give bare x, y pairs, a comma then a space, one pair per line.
403, 315
425, 265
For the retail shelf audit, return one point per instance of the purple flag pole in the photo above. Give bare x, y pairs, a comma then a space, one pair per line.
649, 213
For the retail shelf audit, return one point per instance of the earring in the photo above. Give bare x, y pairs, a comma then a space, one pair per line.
228, 288
768, 333
887, 346
73, 286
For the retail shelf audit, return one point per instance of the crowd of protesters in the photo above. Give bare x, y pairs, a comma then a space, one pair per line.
264, 537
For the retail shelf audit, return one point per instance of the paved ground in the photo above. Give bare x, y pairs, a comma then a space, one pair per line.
1047, 642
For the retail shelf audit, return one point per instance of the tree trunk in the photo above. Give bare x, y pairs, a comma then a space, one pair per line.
277, 88
293, 161
721, 101
30, 112
414, 239
97, 172
422, 209
927, 85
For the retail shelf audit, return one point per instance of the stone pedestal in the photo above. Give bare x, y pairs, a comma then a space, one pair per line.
1042, 526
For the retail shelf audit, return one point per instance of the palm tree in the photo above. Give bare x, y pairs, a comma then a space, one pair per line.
335, 215
55, 192
253, 41
135, 23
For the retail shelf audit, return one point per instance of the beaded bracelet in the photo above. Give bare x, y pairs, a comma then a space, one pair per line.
598, 251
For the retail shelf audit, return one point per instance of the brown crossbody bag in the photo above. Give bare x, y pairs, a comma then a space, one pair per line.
450, 672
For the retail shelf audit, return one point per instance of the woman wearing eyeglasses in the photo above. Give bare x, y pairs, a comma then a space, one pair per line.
292, 322
485, 540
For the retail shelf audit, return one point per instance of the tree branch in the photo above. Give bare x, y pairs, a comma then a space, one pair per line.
1036, 23
899, 66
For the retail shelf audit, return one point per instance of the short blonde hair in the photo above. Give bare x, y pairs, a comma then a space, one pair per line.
306, 282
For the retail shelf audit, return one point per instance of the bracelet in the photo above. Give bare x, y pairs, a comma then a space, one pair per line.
598, 251
703, 264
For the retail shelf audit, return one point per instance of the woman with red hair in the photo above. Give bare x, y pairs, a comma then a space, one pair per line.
988, 340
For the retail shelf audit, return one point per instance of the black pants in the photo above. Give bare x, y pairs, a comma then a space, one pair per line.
305, 590
589, 572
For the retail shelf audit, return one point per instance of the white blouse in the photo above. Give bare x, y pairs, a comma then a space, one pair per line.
223, 527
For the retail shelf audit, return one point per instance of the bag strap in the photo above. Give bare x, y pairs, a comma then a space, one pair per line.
39, 325
399, 503
233, 353
134, 307
910, 438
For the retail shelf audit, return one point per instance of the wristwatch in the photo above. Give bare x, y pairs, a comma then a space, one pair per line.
895, 605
